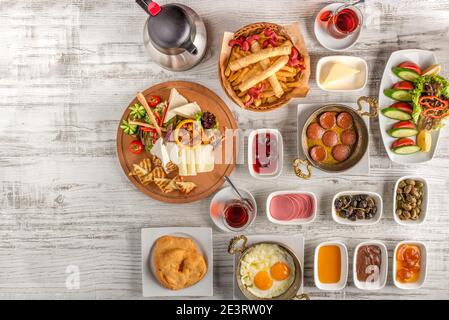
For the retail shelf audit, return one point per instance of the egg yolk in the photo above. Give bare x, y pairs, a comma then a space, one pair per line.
280, 271
263, 281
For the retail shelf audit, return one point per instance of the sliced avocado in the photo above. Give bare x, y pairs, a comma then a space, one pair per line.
406, 149
405, 74
399, 95
397, 114
402, 132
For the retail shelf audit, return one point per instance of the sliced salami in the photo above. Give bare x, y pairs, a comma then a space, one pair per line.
318, 153
330, 138
349, 137
327, 120
344, 120
341, 152
315, 131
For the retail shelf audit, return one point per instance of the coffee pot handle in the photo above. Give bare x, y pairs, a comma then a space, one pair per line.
150, 7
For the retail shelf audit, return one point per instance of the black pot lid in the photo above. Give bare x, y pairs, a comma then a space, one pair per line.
170, 28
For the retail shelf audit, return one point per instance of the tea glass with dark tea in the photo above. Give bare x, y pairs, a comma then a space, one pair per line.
344, 21
237, 215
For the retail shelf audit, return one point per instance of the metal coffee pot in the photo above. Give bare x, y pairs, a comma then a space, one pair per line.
174, 35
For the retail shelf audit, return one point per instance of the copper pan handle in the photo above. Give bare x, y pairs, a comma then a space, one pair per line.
373, 104
233, 247
298, 171
301, 296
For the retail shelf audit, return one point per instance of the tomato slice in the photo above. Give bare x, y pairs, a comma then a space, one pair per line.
404, 124
403, 106
404, 85
411, 66
403, 142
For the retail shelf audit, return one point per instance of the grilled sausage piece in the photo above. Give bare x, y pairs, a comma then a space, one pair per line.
344, 120
348, 137
330, 138
318, 153
314, 131
341, 152
328, 120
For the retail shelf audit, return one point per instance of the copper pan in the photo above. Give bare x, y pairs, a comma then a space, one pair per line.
359, 149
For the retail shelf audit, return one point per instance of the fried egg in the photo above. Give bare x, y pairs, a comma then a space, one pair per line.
267, 270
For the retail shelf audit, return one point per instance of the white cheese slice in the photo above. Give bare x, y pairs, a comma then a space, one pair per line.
174, 101
188, 110
182, 165
173, 152
160, 150
204, 158
338, 71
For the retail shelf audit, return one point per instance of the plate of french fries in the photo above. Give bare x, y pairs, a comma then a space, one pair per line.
264, 65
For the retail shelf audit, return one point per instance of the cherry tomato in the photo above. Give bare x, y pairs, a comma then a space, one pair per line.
411, 66
403, 142
153, 101
136, 147
404, 85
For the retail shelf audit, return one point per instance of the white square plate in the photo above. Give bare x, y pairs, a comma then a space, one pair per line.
203, 239
294, 242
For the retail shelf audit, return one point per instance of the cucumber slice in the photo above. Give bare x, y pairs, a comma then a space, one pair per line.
402, 132
405, 74
399, 95
396, 114
406, 149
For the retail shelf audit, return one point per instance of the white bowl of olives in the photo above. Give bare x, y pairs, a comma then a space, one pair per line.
411, 194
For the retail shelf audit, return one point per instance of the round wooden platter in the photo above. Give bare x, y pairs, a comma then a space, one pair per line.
206, 183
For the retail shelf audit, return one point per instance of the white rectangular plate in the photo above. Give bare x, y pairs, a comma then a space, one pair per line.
294, 242
203, 239
304, 112
422, 58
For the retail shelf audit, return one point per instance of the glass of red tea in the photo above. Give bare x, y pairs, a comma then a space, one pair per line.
237, 215
344, 21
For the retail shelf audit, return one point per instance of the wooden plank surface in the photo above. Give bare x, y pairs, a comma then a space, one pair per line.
67, 71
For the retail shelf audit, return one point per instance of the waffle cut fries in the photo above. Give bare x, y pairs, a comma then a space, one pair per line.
150, 170
264, 67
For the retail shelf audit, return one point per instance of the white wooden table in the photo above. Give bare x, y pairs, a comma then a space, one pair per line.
67, 71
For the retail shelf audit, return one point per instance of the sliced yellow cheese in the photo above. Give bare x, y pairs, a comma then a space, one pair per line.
191, 167
182, 165
204, 158
337, 72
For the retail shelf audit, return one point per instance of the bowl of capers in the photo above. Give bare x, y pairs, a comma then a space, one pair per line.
411, 195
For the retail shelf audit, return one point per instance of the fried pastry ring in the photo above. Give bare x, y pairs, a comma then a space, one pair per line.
177, 262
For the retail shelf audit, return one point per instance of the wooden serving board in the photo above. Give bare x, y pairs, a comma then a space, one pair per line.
207, 183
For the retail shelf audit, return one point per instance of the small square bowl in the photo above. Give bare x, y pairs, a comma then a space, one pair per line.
364, 222
344, 267
280, 141
350, 84
295, 221
383, 272
424, 204
423, 273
